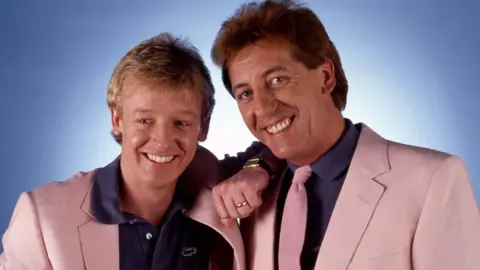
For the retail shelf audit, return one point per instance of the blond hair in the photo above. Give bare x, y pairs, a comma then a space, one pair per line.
163, 59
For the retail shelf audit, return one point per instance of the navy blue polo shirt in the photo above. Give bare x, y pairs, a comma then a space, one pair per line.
177, 243
323, 187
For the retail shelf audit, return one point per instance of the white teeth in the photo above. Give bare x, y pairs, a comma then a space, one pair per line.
159, 159
279, 126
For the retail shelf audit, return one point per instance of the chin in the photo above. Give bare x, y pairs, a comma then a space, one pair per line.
164, 180
282, 153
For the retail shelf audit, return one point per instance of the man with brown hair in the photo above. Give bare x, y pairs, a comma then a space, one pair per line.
346, 197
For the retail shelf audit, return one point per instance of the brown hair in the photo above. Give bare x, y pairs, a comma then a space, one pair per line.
163, 59
284, 20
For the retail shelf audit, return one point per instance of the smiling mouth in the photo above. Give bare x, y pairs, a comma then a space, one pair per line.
160, 159
280, 126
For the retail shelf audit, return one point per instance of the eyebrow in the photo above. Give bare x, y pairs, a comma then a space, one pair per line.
266, 73
138, 110
188, 112
273, 70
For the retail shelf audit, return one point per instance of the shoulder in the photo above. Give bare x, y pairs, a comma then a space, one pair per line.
405, 162
400, 154
415, 168
416, 156
438, 167
70, 191
427, 171
415, 159
55, 201
44, 216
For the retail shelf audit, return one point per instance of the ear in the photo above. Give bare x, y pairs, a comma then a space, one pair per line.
204, 130
116, 122
327, 73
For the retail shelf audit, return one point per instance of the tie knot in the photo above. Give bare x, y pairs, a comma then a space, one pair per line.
302, 174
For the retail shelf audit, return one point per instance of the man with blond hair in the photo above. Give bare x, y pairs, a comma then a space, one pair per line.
140, 211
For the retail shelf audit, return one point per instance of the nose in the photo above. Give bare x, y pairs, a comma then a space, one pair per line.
163, 135
265, 103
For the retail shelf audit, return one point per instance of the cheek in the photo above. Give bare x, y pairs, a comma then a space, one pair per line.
308, 98
247, 115
133, 139
188, 143
314, 112
187, 139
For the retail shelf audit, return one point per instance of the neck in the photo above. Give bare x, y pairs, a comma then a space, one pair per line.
146, 201
331, 134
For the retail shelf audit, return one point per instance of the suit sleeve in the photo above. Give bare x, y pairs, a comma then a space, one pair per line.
448, 232
23, 244
230, 165
213, 171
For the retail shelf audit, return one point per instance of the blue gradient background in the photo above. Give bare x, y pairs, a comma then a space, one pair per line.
412, 67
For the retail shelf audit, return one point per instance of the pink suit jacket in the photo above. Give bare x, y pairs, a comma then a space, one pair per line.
52, 228
401, 208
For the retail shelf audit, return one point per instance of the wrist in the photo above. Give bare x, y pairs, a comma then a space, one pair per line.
258, 163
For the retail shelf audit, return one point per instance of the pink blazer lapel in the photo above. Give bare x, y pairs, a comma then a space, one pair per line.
259, 230
99, 246
204, 212
356, 204
100, 243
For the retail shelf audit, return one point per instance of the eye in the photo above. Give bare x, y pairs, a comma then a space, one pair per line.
280, 80
145, 121
182, 124
244, 95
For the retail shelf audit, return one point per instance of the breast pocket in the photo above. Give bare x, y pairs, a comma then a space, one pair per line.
399, 260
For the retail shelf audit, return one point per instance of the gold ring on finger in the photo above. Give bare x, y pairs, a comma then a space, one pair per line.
242, 204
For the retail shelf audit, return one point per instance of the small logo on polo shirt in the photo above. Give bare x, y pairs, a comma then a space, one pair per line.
189, 251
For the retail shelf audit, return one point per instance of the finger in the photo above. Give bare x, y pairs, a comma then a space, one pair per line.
253, 197
245, 211
219, 204
232, 209
261, 182
228, 222
235, 198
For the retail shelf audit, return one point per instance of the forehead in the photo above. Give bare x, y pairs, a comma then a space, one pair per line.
157, 96
261, 56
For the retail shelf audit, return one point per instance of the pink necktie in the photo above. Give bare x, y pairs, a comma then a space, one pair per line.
294, 222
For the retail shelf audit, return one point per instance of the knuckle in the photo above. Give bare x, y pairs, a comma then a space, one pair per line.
255, 204
221, 214
223, 188
235, 177
243, 184
262, 184
246, 214
216, 190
